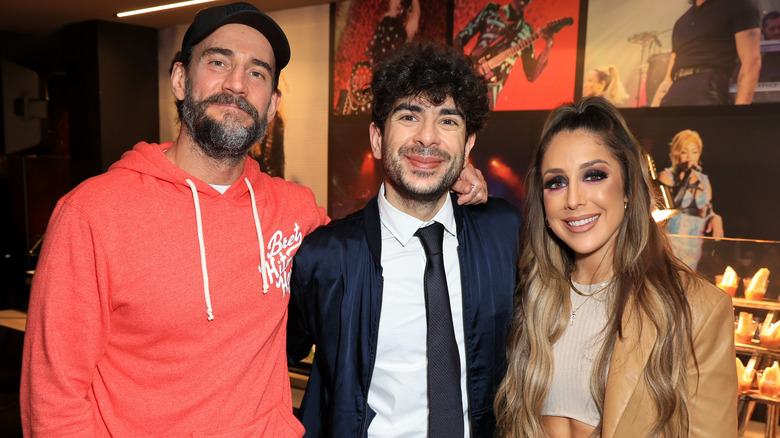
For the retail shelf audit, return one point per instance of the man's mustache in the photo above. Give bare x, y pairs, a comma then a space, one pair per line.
424, 152
230, 99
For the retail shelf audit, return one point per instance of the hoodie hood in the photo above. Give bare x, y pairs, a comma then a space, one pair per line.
149, 159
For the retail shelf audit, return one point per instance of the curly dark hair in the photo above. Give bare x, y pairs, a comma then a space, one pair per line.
433, 71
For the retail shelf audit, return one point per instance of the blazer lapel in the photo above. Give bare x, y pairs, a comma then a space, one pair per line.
626, 367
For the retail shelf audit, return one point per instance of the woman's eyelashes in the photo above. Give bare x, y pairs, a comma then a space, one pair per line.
555, 183
595, 175
559, 181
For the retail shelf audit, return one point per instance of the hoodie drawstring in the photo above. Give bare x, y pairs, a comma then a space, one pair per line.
202, 249
263, 268
263, 265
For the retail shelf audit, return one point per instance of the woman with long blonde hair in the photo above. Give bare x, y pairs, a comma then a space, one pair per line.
692, 195
612, 336
605, 82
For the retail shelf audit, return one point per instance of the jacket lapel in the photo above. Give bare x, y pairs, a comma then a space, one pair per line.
629, 358
373, 228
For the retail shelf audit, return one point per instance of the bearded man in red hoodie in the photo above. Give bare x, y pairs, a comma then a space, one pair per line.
159, 302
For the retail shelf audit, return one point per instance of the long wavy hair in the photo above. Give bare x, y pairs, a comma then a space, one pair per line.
648, 283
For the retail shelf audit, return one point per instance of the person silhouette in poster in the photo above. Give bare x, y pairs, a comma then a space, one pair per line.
706, 41
770, 26
692, 195
605, 82
499, 29
396, 27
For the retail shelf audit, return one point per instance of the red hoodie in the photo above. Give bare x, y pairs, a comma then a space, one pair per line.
119, 338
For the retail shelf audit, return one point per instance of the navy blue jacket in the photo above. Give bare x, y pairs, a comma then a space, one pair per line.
336, 289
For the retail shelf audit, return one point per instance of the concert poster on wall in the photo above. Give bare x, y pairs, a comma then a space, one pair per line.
629, 48
365, 31
526, 49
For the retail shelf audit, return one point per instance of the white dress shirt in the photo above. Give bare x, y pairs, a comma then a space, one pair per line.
398, 391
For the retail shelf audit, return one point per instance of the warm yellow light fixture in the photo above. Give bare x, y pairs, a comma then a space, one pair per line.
662, 215
664, 205
161, 8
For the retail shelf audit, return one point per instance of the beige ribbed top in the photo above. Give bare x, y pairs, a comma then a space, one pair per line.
574, 354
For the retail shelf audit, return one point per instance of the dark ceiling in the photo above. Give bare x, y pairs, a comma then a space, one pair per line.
31, 31
42, 17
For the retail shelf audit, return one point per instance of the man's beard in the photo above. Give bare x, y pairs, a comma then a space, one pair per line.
421, 193
225, 140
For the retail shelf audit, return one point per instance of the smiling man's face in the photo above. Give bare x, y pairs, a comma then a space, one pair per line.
423, 149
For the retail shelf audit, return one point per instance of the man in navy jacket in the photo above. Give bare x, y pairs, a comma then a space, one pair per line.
357, 284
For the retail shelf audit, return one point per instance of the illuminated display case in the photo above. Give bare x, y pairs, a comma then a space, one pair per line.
755, 350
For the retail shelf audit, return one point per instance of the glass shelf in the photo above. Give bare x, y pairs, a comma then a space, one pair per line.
754, 304
755, 349
755, 396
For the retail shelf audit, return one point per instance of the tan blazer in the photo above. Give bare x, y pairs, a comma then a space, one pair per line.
713, 405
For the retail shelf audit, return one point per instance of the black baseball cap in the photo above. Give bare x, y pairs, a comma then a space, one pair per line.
210, 19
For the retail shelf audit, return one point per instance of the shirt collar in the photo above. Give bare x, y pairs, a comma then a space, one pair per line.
403, 226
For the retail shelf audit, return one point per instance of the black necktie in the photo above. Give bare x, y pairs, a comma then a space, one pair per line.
445, 409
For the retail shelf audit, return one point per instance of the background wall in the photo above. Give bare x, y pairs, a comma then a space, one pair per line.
168, 45
305, 97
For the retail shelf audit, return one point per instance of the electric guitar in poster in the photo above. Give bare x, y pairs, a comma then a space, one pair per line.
489, 65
